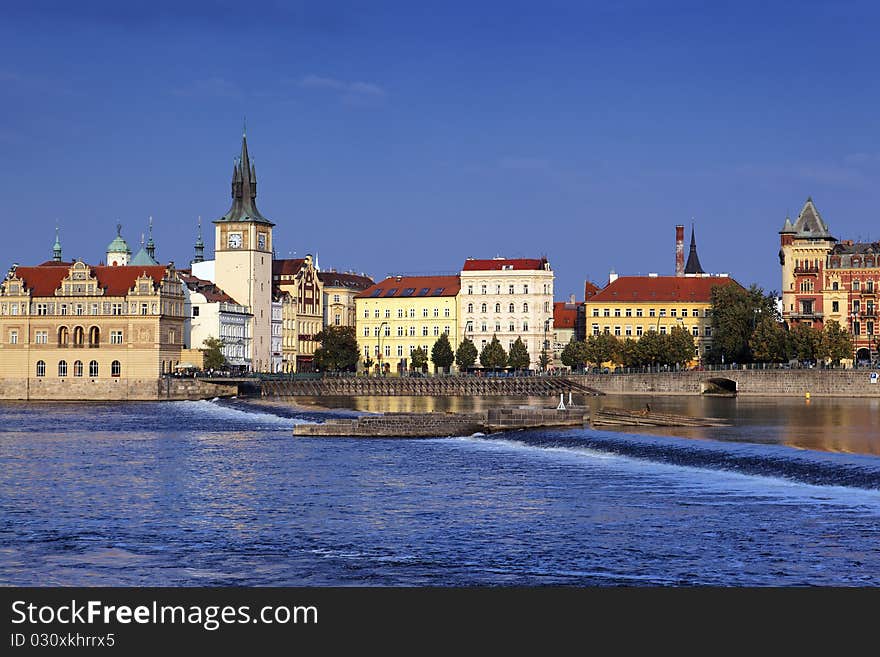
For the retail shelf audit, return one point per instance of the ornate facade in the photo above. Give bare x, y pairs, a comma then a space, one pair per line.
297, 285
75, 331
340, 290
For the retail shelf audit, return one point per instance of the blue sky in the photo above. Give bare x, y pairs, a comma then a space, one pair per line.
406, 136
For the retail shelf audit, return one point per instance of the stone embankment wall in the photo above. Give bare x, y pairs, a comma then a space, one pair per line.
817, 382
85, 389
415, 386
424, 425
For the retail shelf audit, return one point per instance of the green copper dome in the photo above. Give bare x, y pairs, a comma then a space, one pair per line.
118, 245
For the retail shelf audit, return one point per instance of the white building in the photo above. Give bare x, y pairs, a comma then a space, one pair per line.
510, 298
211, 313
276, 336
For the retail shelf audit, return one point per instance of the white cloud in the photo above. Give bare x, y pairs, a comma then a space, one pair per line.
350, 93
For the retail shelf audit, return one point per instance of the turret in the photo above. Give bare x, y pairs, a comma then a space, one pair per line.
200, 245
56, 249
118, 252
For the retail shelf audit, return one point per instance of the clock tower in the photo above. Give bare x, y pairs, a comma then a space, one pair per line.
243, 258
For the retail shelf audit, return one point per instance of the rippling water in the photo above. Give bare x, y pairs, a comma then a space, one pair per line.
220, 493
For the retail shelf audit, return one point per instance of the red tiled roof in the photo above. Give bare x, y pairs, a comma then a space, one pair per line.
450, 285
209, 290
590, 289
661, 288
288, 267
564, 314
42, 281
340, 279
497, 264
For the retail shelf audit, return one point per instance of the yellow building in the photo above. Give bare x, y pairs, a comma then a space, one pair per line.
69, 330
631, 305
402, 313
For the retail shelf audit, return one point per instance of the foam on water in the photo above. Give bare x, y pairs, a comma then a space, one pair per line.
216, 410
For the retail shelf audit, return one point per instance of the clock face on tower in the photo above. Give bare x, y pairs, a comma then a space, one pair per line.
234, 240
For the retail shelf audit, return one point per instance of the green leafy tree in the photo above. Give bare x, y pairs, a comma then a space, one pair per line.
601, 348
466, 354
836, 343
629, 354
652, 349
519, 356
805, 341
493, 355
573, 355
213, 353
544, 360
339, 349
769, 341
679, 346
736, 312
441, 353
419, 359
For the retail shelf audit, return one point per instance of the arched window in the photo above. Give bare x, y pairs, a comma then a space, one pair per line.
41, 368
115, 368
94, 336
497, 307
483, 308
62, 368
510, 309
525, 307
93, 369
79, 336
78, 368
834, 285
470, 307
63, 336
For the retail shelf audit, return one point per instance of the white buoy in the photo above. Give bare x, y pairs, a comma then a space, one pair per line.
561, 406
569, 397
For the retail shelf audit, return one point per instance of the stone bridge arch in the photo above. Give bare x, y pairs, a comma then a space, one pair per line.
718, 385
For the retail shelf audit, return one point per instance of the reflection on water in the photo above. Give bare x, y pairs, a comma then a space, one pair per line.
825, 423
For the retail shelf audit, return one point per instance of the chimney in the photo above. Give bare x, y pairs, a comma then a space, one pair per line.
612, 277
679, 250
571, 299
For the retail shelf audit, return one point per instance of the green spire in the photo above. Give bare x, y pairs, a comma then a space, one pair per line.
56, 250
151, 245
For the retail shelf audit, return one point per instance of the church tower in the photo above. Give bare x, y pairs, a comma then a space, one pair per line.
118, 251
243, 257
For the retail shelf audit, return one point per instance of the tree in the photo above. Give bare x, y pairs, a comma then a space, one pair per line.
338, 350
601, 348
768, 341
836, 343
679, 346
544, 360
736, 312
805, 341
466, 354
493, 355
629, 355
441, 352
419, 359
573, 355
213, 353
652, 348
519, 356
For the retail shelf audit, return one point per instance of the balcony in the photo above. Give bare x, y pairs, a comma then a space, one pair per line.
810, 315
806, 269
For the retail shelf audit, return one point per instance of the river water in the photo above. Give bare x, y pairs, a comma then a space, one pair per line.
214, 493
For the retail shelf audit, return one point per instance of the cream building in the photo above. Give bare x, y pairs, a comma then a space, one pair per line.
340, 290
508, 298
402, 313
296, 283
69, 330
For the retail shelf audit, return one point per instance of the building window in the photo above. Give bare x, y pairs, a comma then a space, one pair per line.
511, 309
400, 313
446, 330
652, 313
663, 312
546, 306
195, 311
115, 337
835, 306
855, 286
628, 331
606, 330
695, 330
412, 331
62, 368
399, 331
857, 328
63, 336
684, 312
366, 351
525, 307
41, 368
78, 368
606, 312
13, 337
93, 369
525, 288
424, 331
869, 327
595, 312
424, 312
483, 307
115, 368
412, 312
673, 312
115, 309
387, 330
525, 327
470, 307
662, 330
42, 308
335, 298
172, 336
436, 330
387, 350
366, 313
629, 312
376, 313
337, 320
387, 313
497, 307
446, 312
595, 329
42, 337
483, 289
512, 327
617, 330
638, 331
366, 331
708, 332
64, 306
470, 289
617, 312
510, 289
638, 312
